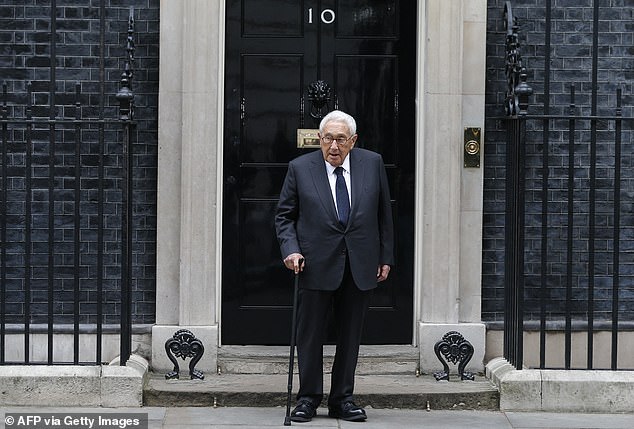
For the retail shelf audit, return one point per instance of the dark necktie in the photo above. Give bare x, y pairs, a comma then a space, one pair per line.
341, 192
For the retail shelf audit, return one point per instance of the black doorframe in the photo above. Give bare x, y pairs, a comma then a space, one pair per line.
406, 259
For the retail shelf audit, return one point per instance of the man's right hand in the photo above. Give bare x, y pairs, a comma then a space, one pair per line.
292, 262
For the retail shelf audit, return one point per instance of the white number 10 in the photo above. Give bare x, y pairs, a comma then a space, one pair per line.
327, 16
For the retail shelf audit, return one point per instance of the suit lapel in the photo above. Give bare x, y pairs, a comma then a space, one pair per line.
357, 175
320, 179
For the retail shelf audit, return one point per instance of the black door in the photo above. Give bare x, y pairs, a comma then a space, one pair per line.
365, 52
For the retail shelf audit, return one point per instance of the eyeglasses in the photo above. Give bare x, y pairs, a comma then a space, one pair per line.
341, 141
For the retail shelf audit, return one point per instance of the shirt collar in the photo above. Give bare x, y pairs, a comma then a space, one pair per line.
346, 165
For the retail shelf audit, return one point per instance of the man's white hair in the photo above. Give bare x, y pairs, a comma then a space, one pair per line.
339, 116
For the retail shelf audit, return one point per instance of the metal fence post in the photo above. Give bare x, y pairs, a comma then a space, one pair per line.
126, 115
516, 105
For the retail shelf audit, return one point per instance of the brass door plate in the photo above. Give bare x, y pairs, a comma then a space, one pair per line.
472, 136
307, 138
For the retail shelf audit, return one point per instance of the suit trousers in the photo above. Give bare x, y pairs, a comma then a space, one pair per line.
349, 305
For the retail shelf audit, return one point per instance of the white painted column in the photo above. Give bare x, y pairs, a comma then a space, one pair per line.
189, 192
169, 163
442, 162
472, 179
449, 200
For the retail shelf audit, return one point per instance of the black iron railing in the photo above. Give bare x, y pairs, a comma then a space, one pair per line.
516, 105
571, 209
61, 269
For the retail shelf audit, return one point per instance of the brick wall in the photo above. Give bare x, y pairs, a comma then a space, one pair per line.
571, 63
25, 56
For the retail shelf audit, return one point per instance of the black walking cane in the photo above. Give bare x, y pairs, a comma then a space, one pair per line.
291, 359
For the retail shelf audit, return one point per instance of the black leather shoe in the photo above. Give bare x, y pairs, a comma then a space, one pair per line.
303, 412
347, 411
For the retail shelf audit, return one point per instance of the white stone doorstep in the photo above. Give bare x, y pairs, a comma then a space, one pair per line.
73, 385
587, 391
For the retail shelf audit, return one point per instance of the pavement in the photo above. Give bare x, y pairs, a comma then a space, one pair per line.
265, 417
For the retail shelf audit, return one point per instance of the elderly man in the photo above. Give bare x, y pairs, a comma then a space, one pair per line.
334, 213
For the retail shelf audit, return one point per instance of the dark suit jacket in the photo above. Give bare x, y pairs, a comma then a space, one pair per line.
306, 221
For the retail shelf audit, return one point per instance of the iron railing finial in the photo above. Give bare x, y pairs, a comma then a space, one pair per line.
125, 96
518, 91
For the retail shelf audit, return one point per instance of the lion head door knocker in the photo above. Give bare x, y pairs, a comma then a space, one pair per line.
319, 96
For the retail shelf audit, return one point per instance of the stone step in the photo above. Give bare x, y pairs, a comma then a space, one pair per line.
269, 390
382, 359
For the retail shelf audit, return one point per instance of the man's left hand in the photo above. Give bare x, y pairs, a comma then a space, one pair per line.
382, 272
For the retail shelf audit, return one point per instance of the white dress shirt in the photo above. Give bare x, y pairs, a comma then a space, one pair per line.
332, 179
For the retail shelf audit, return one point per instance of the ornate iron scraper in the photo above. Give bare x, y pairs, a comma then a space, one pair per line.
454, 348
184, 344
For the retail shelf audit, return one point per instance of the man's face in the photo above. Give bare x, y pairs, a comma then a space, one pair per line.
341, 142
